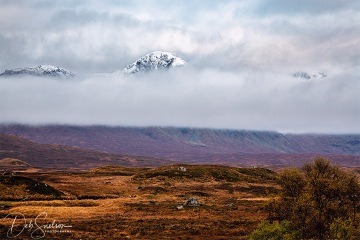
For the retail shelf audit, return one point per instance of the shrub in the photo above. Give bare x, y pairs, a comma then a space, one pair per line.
274, 231
321, 203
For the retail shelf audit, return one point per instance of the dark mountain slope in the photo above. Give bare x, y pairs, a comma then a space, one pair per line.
60, 156
194, 145
328, 144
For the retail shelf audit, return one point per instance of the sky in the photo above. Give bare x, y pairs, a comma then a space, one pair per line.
241, 55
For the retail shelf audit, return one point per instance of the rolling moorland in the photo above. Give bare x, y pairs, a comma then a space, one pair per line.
112, 202
139, 203
148, 183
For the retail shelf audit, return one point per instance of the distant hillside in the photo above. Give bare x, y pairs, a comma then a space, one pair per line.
13, 164
60, 156
328, 144
198, 145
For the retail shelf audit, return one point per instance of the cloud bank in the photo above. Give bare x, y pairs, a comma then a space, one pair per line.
187, 98
240, 54
93, 36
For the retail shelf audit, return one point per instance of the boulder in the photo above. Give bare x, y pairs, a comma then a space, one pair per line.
192, 202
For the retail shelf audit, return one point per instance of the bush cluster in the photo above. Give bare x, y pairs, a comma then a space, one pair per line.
320, 202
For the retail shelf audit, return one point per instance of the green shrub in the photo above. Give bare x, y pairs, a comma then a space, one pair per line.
274, 231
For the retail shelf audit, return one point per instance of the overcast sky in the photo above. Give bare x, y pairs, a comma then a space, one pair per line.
241, 55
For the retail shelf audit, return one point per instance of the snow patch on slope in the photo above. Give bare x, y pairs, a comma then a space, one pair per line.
154, 61
41, 71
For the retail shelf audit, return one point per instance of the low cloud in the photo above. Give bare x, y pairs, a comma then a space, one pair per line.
240, 53
186, 97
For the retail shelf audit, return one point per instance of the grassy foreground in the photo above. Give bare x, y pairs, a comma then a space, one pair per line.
135, 203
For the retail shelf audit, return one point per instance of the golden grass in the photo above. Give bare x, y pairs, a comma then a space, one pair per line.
146, 208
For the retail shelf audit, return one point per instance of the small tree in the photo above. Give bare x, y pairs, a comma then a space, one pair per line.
320, 203
293, 183
329, 188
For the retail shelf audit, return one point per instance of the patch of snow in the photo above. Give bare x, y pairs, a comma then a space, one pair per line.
42, 71
154, 61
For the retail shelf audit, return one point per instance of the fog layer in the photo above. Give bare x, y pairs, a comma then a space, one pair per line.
187, 97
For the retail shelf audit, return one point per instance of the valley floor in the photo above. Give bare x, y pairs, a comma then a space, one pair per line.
134, 203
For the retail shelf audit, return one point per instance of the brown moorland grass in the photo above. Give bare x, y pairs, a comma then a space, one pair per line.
143, 203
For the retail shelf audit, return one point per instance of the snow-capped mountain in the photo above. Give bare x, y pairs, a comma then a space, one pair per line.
157, 60
41, 71
306, 75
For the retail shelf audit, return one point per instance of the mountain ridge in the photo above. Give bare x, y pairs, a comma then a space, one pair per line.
191, 144
63, 156
40, 71
154, 61
57, 156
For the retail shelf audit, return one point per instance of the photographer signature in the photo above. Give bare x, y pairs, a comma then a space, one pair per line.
20, 224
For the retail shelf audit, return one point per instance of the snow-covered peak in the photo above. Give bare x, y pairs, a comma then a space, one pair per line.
306, 75
157, 60
48, 68
42, 71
